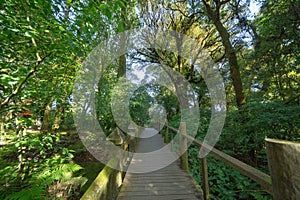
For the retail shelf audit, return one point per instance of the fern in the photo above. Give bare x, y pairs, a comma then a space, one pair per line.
51, 181
33, 192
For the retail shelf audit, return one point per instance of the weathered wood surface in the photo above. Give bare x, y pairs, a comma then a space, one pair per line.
284, 164
183, 147
167, 183
105, 185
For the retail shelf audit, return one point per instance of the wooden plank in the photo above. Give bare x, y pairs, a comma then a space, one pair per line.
161, 175
167, 181
138, 187
178, 185
159, 197
157, 192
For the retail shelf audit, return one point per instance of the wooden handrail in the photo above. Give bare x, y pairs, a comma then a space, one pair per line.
173, 129
261, 178
108, 181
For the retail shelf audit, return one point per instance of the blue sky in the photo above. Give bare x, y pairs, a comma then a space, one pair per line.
254, 7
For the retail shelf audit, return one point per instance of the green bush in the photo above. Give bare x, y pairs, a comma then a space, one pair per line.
224, 181
44, 170
246, 129
243, 138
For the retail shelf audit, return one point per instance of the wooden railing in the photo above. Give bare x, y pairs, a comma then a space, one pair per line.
107, 183
261, 178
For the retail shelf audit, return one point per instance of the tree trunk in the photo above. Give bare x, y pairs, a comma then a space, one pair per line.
122, 65
229, 52
67, 10
234, 67
2, 131
58, 117
46, 125
122, 58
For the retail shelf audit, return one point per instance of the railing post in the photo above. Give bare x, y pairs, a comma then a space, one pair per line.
158, 125
204, 178
167, 134
137, 130
284, 162
183, 147
172, 140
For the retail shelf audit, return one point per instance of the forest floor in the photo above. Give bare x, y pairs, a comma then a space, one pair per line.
67, 139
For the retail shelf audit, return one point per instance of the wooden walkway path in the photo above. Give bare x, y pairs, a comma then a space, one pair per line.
167, 183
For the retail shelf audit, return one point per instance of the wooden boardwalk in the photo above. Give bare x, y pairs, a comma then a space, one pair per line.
166, 183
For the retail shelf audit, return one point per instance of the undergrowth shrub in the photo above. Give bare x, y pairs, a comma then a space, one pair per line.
43, 170
224, 181
243, 138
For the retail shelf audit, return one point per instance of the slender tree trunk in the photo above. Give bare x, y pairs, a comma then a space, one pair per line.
67, 11
234, 67
122, 58
46, 125
122, 66
2, 131
58, 117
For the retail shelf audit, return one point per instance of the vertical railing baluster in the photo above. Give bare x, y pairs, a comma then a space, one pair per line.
158, 126
204, 179
167, 133
172, 142
183, 147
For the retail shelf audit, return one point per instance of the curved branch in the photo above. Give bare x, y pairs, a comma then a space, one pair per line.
22, 83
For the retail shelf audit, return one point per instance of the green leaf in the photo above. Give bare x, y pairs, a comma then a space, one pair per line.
121, 4
108, 13
27, 34
14, 30
61, 28
120, 27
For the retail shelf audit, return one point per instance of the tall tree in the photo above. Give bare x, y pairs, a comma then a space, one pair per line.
277, 51
213, 11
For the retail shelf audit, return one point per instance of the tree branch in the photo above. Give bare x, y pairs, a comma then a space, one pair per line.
19, 87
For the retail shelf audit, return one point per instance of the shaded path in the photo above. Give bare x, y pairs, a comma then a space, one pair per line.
170, 182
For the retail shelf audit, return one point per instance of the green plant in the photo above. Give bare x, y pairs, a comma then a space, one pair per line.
52, 182
44, 170
224, 181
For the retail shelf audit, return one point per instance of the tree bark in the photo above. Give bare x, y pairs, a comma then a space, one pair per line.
58, 117
46, 125
122, 58
122, 65
214, 16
